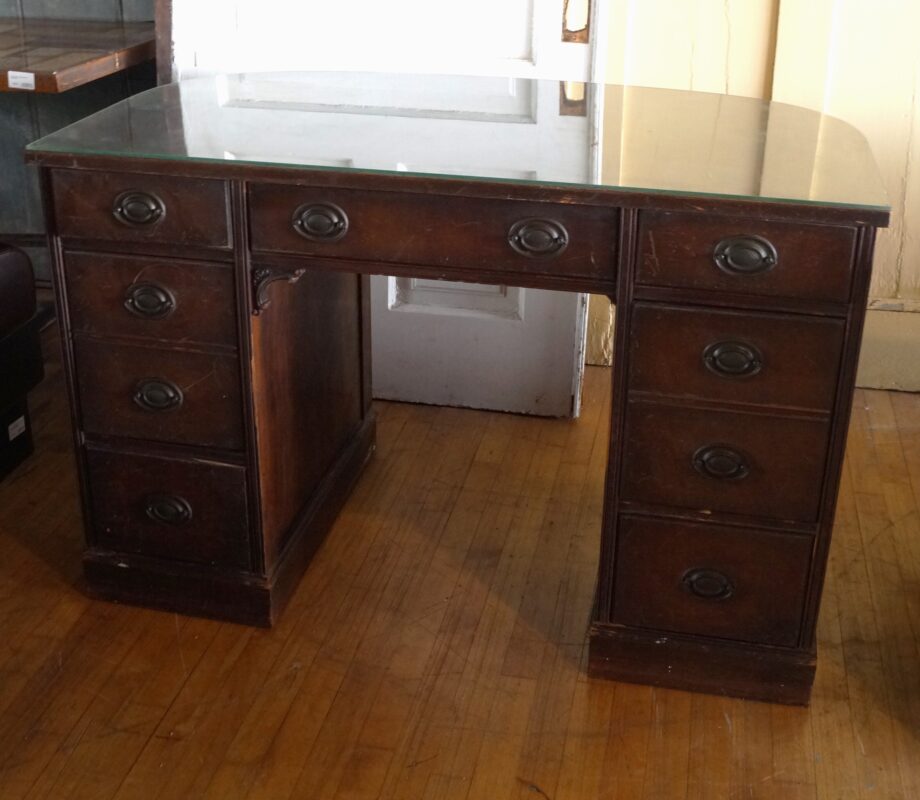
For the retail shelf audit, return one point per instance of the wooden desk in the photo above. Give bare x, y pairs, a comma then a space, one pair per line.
54, 55
214, 310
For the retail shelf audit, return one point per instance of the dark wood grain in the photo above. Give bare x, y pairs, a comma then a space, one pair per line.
501, 277
656, 558
786, 458
181, 587
306, 425
122, 485
722, 668
470, 186
622, 295
163, 13
65, 53
196, 211
307, 387
242, 596
108, 376
846, 383
431, 230
799, 356
99, 283
815, 261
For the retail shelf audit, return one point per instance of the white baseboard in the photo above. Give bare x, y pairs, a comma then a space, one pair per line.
890, 356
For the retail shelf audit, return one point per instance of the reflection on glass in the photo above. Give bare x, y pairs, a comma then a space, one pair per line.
628, 138
573, 99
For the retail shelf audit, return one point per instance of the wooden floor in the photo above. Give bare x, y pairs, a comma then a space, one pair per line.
436, 647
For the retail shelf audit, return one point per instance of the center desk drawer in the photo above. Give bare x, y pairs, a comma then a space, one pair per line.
435, 230
746, 256
128, 207
161, 395
720, 461
179, 509
137, 296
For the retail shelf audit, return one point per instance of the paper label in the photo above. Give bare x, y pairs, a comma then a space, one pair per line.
21, 80
17, 428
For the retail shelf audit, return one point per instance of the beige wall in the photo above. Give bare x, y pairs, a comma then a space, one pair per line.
706, 45
852, 59
860, 62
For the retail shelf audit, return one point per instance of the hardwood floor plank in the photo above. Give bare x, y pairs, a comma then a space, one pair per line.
112, 732
879, 775
712, 740
886, 521
835, 747
315, 669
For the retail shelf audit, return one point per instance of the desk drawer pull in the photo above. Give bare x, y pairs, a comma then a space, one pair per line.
732, 359
721, 462
156, 394
708, 584
168, 508
745, 255
149, 301
320, 222
538, 238
138, 209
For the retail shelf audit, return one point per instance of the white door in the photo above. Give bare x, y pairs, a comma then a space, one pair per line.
439, 342
485, 346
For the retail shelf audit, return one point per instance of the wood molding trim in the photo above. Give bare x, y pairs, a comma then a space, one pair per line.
164, 40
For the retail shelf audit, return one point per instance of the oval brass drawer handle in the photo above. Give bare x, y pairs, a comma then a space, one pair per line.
709, 584
721, 462
168, 508
138, 209
732, 359
157, 394
538, 238
149, 301
745, 255
320, 222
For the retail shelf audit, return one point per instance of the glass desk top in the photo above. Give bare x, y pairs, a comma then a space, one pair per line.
539, 132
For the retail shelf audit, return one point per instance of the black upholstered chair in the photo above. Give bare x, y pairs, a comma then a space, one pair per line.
21, 366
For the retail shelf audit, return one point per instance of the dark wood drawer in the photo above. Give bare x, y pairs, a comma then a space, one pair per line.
761, 359
182, 510
711, 580
161, 395
724, 461
125, 207
459, 232
174, 301
727, 254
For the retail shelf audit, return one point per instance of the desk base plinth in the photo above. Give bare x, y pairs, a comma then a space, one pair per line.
721, 668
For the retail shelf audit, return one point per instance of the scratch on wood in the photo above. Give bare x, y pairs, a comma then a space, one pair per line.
532, 787
193, 384
653, 252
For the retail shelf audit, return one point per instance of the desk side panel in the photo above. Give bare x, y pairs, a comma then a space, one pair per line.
307, 392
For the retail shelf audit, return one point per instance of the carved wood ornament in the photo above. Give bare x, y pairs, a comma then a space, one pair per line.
262, 278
